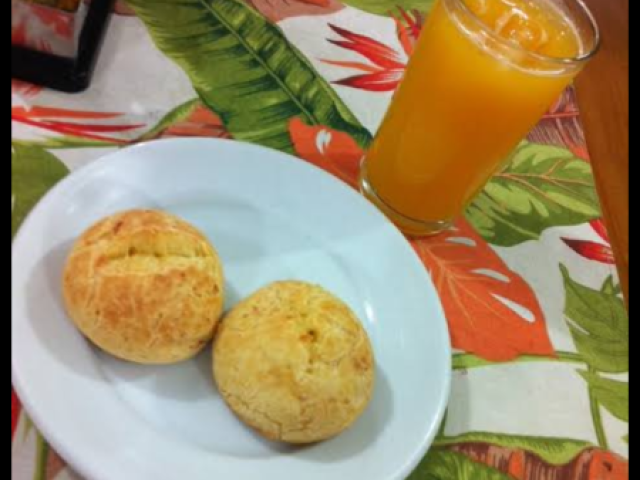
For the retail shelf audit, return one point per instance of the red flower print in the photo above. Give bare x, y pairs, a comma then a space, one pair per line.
83, 124
599, 252
386, 66
25, 89
561, 126
15, 412
36, 26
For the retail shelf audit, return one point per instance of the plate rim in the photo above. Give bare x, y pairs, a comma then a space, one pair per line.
47, 427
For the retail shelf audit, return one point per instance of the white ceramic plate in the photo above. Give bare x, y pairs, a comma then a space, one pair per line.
271, 217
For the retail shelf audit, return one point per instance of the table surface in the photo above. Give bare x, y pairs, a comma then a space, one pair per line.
603, 95
527, 279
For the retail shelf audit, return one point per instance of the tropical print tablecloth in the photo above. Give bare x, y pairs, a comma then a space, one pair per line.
527, 277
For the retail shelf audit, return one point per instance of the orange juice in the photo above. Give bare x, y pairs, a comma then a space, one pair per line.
483, 73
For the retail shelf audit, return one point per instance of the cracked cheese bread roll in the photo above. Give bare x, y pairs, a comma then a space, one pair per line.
293, 362
145, 286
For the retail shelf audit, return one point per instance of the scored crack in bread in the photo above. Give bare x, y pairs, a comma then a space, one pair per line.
145, 286
293, 362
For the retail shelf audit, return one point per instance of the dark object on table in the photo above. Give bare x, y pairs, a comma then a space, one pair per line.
55, 43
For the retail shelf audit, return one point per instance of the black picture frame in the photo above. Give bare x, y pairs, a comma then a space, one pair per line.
71, 75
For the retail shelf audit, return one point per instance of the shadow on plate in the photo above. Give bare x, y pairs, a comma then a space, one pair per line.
56, 332
189, 382
369, 427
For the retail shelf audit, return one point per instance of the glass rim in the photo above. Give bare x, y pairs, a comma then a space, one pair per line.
565, 61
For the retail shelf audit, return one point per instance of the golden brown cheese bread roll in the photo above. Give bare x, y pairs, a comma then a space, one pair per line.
293, 362
145, 286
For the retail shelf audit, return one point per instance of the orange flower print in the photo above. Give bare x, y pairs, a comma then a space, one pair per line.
201, 122
590, 464
333, 151
492, 311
